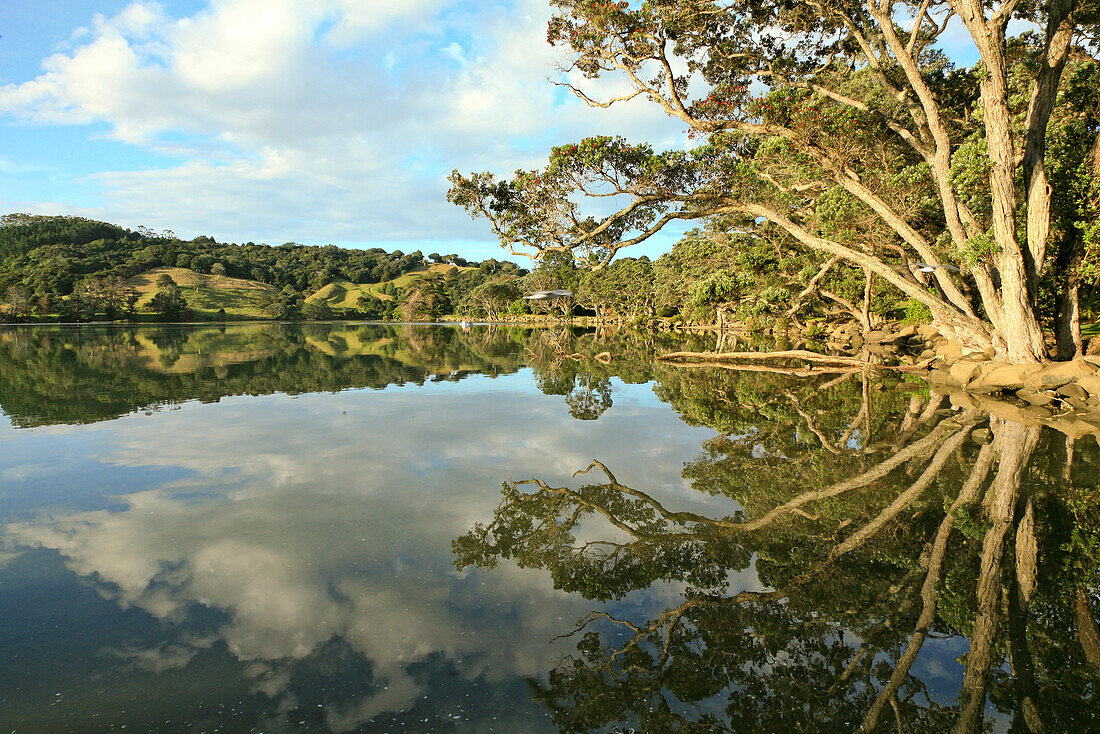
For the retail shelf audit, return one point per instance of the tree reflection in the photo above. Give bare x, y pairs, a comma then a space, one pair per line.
956, 542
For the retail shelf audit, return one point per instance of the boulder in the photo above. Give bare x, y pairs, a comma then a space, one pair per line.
1036, 398
1077, 404
876, 336
963, 371
961, 399
1090, 384
1073, 390
927, 331
907, 332
999, 376
1061, 373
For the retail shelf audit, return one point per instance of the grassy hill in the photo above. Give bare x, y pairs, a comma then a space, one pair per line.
241, 298
344, 294
207, 293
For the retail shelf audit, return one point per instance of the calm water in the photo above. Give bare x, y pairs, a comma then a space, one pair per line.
284, 528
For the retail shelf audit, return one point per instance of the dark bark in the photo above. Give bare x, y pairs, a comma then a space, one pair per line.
1067, 325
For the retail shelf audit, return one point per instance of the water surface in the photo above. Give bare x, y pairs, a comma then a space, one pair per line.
376, 528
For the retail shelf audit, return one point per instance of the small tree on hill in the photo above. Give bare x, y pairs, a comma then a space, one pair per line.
170, 304
318, 310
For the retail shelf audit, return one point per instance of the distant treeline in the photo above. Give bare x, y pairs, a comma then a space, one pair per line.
50, 255
74, 269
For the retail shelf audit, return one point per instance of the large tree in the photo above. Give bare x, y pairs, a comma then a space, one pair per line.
840, 125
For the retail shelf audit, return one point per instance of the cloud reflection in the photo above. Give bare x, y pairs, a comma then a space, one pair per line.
330, 517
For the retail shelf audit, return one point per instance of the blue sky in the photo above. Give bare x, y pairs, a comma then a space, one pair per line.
313, 121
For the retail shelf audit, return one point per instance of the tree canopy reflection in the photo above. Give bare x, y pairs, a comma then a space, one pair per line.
920, 568
90, 374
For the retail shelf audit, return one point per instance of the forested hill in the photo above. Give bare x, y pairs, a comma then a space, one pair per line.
49, 255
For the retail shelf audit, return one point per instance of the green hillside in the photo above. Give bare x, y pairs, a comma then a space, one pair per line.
207, 294
341, 293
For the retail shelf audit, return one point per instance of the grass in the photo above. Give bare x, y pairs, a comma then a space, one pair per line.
344, 294
207, 294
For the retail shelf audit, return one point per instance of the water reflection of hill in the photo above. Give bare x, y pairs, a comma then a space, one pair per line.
88, 374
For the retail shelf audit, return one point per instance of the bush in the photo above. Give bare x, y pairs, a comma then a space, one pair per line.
915, 312
318, 310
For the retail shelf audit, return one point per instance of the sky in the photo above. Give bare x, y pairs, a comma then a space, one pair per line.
312, 121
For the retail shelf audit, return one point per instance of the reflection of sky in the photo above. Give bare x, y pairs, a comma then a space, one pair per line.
327, 519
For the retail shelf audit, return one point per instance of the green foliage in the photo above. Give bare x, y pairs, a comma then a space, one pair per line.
50, 255
317, 311
716, 288
980, 247
170, 305
915, 312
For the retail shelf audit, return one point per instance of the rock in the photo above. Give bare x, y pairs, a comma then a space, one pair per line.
999, 376
1090, 384
976, 357
963, 371
927, 331
1037, 398
1060, 373
1073, 390
875, 336
1077, 404
962, 399
907, 332
927, 354
981, 435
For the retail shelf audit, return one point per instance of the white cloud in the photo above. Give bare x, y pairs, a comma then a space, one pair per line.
456, 52
315, 120
240, 43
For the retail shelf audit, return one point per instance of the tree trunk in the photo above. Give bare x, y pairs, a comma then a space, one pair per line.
867, 301
1068, 325
1023, 339
1087, 632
